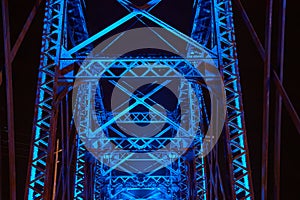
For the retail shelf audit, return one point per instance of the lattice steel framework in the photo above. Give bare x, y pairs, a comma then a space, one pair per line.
79, 176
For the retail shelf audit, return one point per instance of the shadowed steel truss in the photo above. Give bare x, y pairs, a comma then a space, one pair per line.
65, 44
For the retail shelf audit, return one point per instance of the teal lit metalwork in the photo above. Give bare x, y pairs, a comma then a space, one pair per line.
65, 44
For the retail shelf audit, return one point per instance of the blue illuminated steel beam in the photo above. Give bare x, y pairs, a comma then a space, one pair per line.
238, 153
77, 33
40, 178
101, 33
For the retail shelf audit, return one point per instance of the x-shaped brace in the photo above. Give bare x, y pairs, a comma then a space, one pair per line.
132, 7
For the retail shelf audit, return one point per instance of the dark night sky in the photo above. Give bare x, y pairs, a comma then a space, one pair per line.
177, 13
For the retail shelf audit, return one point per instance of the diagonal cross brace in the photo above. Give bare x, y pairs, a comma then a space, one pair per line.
131, 6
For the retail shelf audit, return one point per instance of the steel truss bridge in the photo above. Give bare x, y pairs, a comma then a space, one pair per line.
78, 175
67, 163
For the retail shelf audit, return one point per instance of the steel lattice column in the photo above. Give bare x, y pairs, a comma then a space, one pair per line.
235, 126
39, 178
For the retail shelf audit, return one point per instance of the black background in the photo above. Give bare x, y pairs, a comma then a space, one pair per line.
178, 14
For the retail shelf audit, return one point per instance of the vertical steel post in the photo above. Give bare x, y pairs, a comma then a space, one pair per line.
55, 170
238, 156
278, 100
266, 100
0, 160
41, 161
0, 143
9, 95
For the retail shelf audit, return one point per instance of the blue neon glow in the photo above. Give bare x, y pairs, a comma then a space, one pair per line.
165, 183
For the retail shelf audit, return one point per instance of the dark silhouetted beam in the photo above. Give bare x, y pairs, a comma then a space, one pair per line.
25, 30
266, 100
9, 95
279, 86
278, 100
